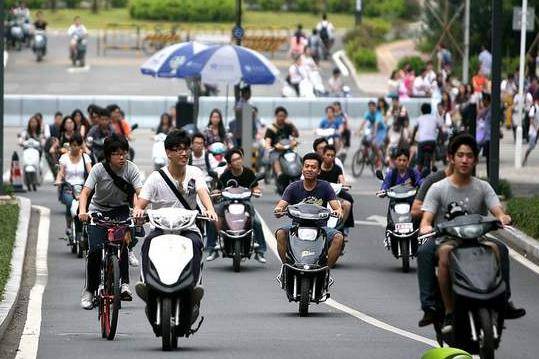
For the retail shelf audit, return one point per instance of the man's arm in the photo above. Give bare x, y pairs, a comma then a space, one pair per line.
426, 222
280, 208
83, 203
207, 203
500, 214
335, 205
416, 208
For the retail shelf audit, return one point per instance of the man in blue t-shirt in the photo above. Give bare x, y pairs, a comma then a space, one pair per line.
314, 191
374, 121
334, 122
402, 173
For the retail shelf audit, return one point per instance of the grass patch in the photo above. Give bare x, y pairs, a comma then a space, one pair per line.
9, 217
525, 214
61, 19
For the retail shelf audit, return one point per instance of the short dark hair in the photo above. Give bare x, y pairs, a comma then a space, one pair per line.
113, 107
103, 112
462, 139
425, 108
329, 107
281, 109
198, 135
58, 113
371, 103
232, 152
402, 151
318, 141
77, 139
177, 138
114, 143
330, 148
313, 156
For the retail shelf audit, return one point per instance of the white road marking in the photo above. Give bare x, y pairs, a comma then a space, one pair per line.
78, 70
272, 244
520, 258
380, 219
29, 343
369, 223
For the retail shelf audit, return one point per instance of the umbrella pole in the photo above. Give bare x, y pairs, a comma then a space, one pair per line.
226, 107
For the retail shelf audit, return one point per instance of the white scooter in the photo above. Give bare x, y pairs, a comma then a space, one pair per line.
167, 273
159, 155
31, 161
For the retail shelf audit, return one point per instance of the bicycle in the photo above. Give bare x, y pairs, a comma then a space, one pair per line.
364, 156
107, 298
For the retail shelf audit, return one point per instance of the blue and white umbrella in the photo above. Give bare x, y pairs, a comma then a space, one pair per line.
167, 61
230, 64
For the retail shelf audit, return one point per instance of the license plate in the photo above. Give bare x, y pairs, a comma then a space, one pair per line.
404, 227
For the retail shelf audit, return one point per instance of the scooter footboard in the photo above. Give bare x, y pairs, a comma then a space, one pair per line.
318, 279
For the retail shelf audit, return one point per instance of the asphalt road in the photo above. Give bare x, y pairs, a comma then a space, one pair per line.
117, 73
247, 314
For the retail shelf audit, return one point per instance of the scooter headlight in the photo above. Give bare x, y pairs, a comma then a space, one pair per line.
307, 234
402, 208
468, 231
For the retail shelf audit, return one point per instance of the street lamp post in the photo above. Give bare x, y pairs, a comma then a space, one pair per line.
496, 114
2, 29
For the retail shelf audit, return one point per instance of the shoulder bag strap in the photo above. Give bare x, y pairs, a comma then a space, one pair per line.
119, 182
175, 190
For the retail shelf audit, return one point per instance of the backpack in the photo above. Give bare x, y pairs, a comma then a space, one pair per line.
206, 160
394, 174
324, 33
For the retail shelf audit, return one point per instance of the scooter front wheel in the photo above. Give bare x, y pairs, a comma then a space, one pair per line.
236, 260
169, 340
486, 334
405, 254
304, 297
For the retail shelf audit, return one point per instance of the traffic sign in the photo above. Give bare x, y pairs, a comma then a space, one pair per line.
517, 18
238, 32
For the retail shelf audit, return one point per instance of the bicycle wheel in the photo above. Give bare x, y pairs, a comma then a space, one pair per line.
110, 298
358, 163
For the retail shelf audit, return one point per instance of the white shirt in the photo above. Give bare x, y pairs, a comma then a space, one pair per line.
200, 162
419, 88
427, 126
297, 73
534, 119
328, 25
485, 58
77, 30
74, 172
160, 195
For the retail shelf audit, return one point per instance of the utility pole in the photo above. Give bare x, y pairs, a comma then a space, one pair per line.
2, 43
358, 12
522, 98
466, 57
496, 113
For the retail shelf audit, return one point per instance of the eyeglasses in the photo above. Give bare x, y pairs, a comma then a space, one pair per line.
119, 154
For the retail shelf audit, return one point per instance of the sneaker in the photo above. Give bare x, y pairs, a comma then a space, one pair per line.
141, 290
428, 318
259, 256
447, 327
87, 300
512, 312
125, 293
212, 256
133, 261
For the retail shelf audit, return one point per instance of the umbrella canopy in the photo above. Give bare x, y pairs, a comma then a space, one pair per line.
230, 64
167, 61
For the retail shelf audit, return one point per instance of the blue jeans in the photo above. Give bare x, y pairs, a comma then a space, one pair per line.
426, 272
96, 239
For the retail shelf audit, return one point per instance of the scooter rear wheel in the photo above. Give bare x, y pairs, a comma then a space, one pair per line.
169, 340
236, 260
405, 254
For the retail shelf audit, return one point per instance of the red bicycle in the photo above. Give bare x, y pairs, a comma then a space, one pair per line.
107, 298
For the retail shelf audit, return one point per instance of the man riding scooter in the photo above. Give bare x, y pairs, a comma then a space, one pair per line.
98, 133
77, 41
244, 177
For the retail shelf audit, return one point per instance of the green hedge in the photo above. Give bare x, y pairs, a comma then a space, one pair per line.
119, 3
361, 41
32, 4
183, 10
9, 217
416, 62
525, 214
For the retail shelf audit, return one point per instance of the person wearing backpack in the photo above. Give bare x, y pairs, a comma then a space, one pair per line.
402, 173
114, 183
326, 30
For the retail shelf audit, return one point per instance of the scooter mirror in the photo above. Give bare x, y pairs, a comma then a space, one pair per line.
379, 175
222, 164
134, 127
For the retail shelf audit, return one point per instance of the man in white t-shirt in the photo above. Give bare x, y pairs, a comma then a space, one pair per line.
485, 61
200, 157
326, 31
428, 128
76, 30
189, 180
421, 86
533, 131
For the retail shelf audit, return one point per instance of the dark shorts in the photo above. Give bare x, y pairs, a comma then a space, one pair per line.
425, 149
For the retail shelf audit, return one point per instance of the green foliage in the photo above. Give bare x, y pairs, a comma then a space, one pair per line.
274, 5
385, 8
71, 4
416, 62
183, 10
32, 4
525, 214
364, 59
9, 217
361, 41
119, 3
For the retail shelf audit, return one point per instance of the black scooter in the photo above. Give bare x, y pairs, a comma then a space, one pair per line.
290, 162
236, 238
401, 230
305, 274
478, 287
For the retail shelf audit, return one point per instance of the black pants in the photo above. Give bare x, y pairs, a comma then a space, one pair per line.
348, 197
198, 246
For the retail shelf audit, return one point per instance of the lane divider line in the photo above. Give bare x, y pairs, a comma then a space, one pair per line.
520, 258
272, 244
29, 343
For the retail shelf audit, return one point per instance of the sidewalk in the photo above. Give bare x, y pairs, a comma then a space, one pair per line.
388, 56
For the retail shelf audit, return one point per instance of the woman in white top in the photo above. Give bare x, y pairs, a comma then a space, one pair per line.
74, 168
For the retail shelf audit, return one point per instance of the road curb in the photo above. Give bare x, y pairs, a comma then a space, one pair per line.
11, 293
522, 243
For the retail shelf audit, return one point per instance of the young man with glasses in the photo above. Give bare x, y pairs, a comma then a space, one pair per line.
189, 181
112, 202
